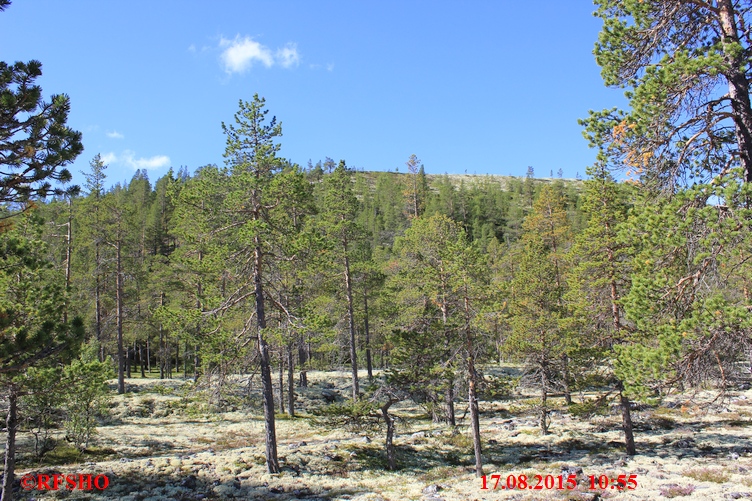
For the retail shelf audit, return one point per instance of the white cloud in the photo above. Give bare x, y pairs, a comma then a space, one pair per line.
240, 54
288, 56
128, 158
115, 134
191, 48
155, 162
108, 158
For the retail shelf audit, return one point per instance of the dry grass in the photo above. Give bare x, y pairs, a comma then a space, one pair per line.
163, 441
708, 475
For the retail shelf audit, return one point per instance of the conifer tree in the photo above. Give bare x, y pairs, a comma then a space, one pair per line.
599, 279
338, 218
439, 288
686, 71
261, 203
91, 216
32, 330
537, 308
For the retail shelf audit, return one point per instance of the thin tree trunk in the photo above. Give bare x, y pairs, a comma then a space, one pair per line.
272, 463
119, 306
544, 401
195, 363
351, 325
369, 364
565, 377
141, 360
290, 382
472, 396
449, 395
68, 249
162, 348
626, 421
11, 424
389, 444
281, 382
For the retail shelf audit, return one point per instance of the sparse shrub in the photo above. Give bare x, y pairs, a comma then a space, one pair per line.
660, 422
76, 394
497, 387
708, 475
674, 491
589, 408
441, 473
41, 407
460, 440
145, 407
161, 389
86, 398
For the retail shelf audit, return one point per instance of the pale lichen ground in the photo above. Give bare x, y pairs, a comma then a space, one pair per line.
162, 444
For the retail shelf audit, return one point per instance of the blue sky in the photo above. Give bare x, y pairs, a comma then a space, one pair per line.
477, 87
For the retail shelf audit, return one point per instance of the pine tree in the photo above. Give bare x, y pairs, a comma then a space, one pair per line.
536, 292
91, 216
599, 279
32, 330
438, 284
338, 218
263, 194
685, 68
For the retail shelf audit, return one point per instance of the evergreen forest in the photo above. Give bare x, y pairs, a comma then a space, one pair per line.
393, 299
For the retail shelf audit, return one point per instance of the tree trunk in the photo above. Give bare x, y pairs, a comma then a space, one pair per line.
141, 360
544, 407
98, 305
290, 382
281, 382
472, 397
389, 444
369, 364
351, 325
195, 363
68, 249
738, 86
475, 422
565, 377
11, 424
451, 419
162, 348
272, 463
626, 421
119, 306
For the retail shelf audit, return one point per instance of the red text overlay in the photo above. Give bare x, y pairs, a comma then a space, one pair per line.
81, 482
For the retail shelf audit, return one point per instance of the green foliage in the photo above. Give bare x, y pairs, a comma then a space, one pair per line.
37, 143
357, 416
75, 395
41, 406
681, 65
86, 398
589, 408
32, 299
498, 387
